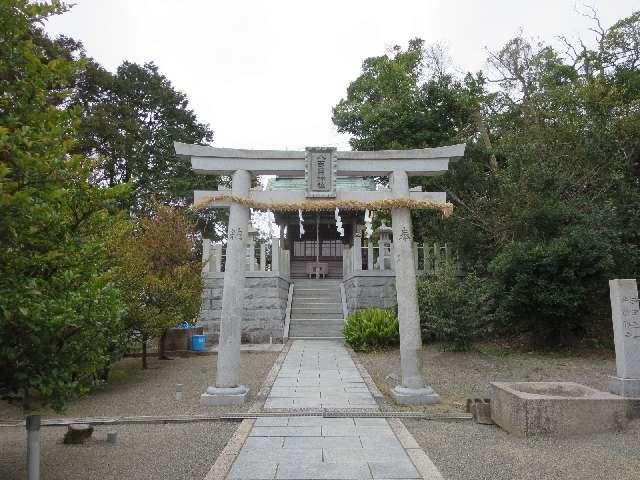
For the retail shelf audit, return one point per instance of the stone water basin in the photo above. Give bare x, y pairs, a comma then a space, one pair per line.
555, 408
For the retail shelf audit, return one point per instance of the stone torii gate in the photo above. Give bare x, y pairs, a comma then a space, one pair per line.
320, 166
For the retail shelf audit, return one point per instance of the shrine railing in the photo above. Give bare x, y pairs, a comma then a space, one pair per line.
261, 256
429, 258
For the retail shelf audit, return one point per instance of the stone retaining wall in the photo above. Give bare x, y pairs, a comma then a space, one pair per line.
264, 309
366, 289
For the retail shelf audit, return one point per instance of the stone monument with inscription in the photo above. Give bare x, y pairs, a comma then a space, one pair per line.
626, 333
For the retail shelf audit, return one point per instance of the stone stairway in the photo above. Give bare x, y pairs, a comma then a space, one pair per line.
316, 309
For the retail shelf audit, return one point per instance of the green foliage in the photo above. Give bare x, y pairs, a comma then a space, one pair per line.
547, 197
157, 273
455, 310
370, 328
60, 317
550, 288
130, 119
390, 106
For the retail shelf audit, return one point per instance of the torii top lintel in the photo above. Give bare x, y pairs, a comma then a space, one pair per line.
289, 163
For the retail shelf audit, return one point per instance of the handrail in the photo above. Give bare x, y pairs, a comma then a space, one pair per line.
287, 315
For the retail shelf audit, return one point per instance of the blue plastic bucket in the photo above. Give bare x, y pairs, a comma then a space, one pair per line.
198, 342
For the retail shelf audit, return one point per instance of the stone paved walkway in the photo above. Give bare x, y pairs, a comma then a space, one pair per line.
321, 374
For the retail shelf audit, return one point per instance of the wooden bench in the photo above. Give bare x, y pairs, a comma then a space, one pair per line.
317, 269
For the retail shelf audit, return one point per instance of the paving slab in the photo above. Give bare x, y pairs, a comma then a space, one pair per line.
286, 432
324, 470
320, 374
393, 470
253, 470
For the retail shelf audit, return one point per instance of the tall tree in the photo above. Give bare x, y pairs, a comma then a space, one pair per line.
130, 120
392, 104
59, 316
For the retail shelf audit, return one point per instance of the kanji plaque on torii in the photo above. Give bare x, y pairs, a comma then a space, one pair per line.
320, 171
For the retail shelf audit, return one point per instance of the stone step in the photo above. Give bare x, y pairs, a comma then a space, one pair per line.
341, 337
319, 285
318, 299
316, 285
315, 307
320, 328
324, 296
316, 303
312, 309
316, 316
314, 291
315, 334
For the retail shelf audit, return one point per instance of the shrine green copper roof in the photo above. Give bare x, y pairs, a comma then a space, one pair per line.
352, 184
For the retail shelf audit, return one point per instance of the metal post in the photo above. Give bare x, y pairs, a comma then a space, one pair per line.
33, 447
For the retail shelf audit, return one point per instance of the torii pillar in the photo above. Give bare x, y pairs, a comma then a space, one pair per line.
412, 390
227, 389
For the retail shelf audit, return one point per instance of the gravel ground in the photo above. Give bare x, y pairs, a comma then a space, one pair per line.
465, 450
173, 451
457, 376
134, 391
185, 451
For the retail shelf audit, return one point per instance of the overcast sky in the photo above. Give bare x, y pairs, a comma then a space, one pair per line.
265, 74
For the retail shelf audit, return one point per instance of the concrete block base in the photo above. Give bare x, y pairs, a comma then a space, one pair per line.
216, 396
555, 408
625, 387
414, 396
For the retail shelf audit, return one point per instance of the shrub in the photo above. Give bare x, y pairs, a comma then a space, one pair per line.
551, 289
371, 327
455, 310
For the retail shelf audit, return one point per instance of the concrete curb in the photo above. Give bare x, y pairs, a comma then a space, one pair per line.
228, 455
419, 458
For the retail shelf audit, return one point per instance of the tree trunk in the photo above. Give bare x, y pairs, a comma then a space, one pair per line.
161, 346
484, 134
144, 354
